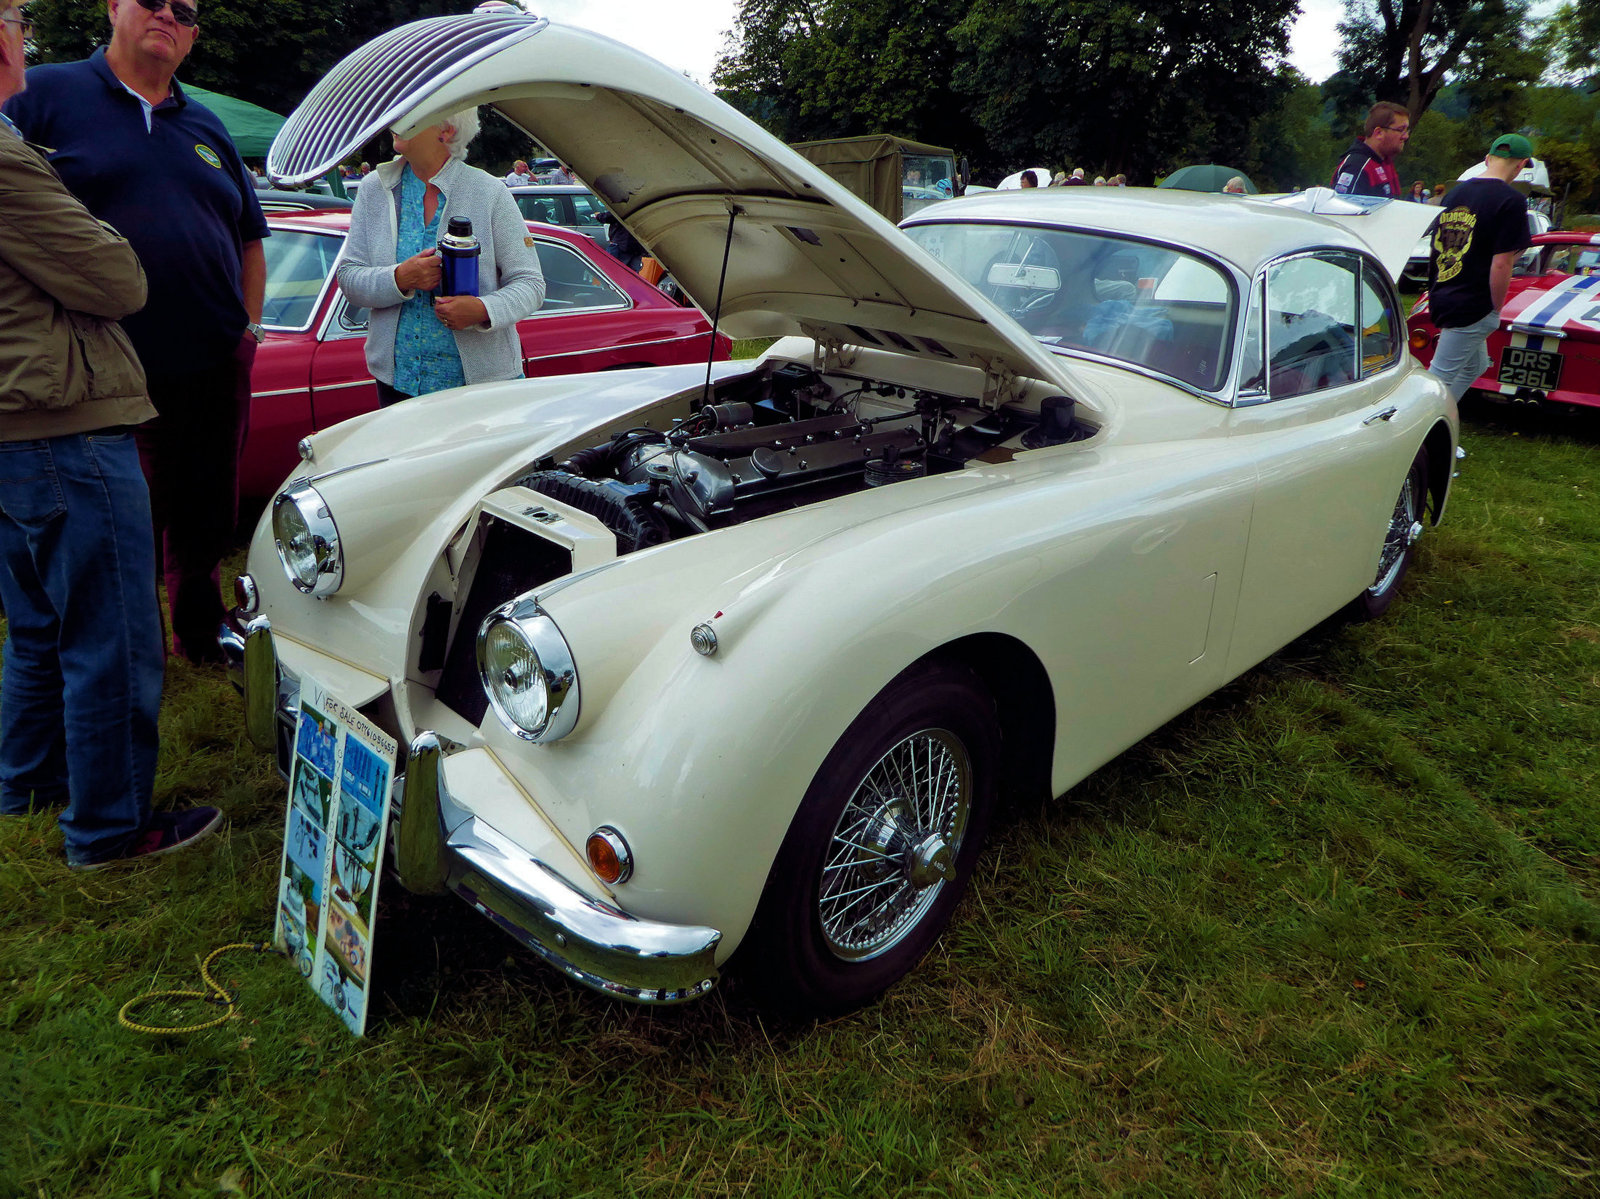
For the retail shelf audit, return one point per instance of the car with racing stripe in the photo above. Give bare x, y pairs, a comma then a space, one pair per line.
1548, 345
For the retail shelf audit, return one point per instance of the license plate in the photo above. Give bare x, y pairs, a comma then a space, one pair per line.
1522, 367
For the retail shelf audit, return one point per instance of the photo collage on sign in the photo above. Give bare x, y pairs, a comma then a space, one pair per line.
333, 847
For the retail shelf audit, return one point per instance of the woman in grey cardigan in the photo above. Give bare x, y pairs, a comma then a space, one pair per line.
417, 342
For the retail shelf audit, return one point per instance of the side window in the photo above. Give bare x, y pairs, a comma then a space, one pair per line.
352, 319
1381, 330
588, 209
545, 209
1311, 323
572, 282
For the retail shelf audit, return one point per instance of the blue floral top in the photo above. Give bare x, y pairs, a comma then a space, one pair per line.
425, 355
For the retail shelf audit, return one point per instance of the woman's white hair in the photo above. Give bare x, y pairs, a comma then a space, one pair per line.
463, 128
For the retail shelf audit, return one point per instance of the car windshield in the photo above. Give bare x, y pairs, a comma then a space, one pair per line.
1574, 260
297, 264
1112, 296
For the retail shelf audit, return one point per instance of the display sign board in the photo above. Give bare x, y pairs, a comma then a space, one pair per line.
333, 845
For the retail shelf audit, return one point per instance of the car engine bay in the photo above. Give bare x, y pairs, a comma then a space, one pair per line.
781, 438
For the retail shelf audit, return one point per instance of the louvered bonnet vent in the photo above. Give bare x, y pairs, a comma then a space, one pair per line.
378, 83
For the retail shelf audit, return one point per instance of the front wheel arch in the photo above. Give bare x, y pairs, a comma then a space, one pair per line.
796, 951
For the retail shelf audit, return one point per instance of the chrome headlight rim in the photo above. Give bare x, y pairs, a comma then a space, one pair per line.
327, 567
557, 670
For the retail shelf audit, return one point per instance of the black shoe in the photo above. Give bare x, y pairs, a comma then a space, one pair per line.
162, 833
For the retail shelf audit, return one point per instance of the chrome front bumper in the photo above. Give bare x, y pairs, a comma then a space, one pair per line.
440, 845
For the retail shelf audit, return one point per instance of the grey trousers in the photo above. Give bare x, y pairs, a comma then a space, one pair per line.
1462, 355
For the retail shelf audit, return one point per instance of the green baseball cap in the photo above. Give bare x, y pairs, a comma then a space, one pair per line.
1511, 145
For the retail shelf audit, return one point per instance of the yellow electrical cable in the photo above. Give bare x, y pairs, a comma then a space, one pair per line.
215, 995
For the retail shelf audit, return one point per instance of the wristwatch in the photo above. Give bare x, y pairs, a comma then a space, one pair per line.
256, 331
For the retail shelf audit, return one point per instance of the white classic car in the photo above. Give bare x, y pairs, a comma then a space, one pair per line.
691, 660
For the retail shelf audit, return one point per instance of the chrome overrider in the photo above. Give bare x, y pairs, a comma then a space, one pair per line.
441, 846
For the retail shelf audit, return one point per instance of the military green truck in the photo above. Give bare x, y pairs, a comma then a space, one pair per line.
895, 176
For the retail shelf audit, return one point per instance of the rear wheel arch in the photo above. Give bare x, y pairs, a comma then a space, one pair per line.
1440, 448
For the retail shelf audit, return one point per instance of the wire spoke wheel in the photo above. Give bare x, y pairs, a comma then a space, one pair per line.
895, 845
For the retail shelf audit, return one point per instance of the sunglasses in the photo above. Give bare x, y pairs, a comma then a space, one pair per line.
184, 14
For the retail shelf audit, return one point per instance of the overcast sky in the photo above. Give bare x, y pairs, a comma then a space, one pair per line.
688, 35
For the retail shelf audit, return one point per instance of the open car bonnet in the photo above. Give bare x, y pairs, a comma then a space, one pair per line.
727, 208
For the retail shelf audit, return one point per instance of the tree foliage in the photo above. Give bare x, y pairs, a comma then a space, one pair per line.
1573, 39
1016, 83
812, 69
1407, 50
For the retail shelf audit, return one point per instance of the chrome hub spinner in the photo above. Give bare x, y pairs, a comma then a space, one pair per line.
895, 845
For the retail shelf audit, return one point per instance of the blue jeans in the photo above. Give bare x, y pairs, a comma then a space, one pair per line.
1462, 355
83, 656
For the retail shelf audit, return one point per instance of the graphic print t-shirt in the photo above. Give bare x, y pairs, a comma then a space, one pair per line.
1480, 218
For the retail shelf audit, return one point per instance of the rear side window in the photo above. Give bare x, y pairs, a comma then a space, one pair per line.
571, 282
1381, 328
586, 208
545, 209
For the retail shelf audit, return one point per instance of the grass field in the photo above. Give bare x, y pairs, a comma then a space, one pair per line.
1331, 932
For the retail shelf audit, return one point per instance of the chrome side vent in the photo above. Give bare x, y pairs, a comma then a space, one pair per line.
379, 82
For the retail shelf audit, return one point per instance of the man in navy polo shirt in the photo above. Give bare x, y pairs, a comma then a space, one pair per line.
161, 169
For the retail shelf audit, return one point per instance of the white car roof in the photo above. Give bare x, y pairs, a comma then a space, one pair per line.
1244, 231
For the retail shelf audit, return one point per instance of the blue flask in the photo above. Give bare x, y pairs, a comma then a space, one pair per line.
458, 259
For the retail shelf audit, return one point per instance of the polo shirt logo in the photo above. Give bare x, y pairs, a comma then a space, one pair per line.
208, 154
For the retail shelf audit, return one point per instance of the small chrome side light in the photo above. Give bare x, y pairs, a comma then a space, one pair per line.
245, 595
609, 855
704, 639
307, 454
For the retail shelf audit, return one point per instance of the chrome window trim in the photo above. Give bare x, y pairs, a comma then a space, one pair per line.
1386, 289
1218, 397
322, 293
1254, 398
627, 301
333, 326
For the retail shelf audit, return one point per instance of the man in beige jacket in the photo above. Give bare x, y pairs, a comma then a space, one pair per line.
83, 654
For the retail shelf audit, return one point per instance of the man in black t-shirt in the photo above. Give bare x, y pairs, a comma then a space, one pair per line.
1481, 229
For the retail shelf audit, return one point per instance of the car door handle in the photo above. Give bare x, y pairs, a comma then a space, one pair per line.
1386, 414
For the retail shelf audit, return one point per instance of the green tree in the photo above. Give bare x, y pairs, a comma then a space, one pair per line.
1292, 144
1406, 52
1573, 175
821, 69
1573, 38
1111, 87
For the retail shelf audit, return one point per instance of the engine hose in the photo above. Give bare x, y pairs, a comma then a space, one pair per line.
599, 461
627, 514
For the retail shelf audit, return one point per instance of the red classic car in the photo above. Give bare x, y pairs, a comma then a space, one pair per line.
311, 371
1548, 343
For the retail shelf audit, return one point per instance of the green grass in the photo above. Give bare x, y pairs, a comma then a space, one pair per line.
1331, 932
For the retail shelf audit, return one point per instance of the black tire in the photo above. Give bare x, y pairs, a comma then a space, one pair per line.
809, 951
1399, 544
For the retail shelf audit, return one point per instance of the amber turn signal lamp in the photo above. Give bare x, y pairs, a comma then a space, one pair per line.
1419, 339
609, 855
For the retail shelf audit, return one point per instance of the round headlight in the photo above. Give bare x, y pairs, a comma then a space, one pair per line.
527, 672
307, 540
